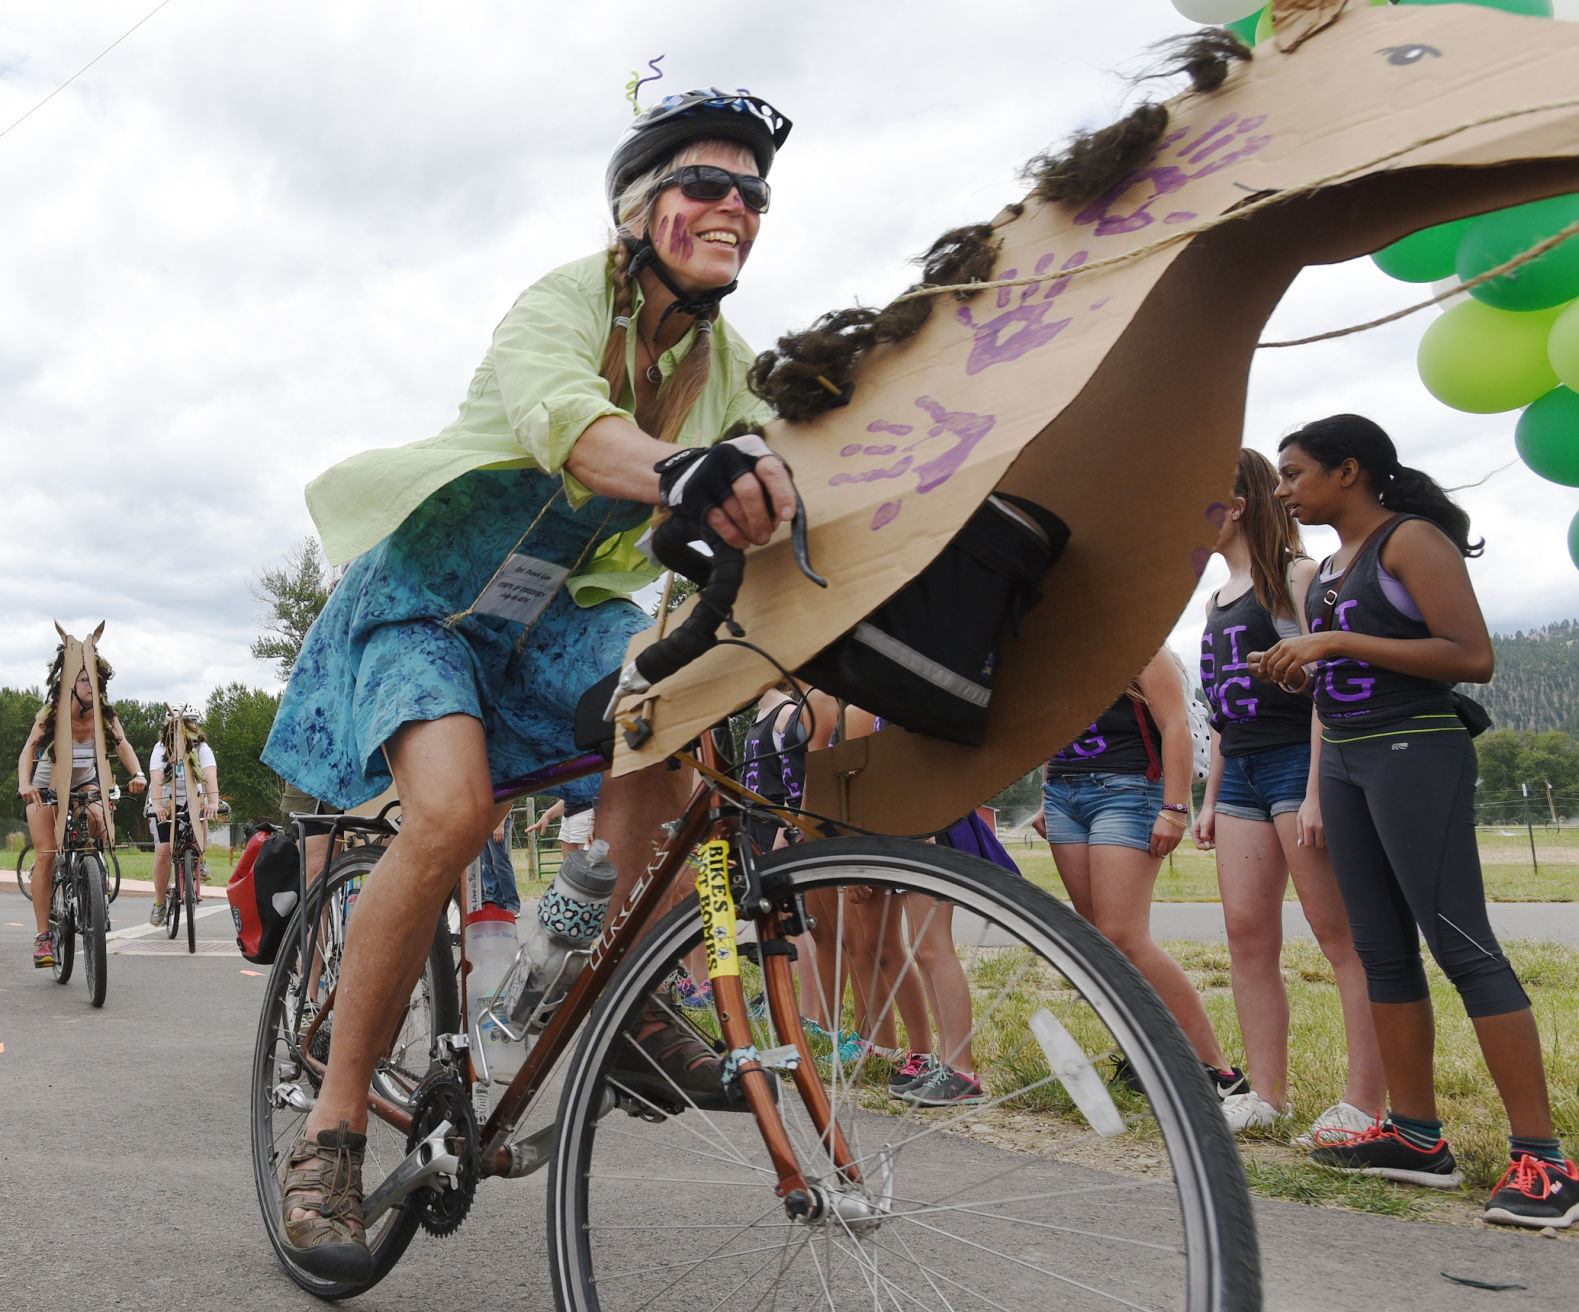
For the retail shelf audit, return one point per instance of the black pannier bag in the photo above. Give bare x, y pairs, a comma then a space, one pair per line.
924, 659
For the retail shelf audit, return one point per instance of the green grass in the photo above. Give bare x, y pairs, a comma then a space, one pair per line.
136, 864
1191, 876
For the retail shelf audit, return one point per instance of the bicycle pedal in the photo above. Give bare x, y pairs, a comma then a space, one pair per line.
783, 1058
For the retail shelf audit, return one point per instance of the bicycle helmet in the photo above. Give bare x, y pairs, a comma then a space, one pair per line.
689, 116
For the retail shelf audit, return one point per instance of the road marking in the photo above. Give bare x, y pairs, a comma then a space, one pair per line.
257, 973
141, 931
15, 924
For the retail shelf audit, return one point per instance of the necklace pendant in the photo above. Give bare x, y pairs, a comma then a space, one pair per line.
654, 374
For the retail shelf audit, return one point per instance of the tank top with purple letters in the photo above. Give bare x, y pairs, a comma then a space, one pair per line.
1351, 694
1112, 745
1249, 715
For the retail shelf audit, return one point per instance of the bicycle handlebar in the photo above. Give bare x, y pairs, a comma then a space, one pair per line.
719, 573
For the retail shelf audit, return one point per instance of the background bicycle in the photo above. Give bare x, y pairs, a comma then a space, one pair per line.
78, 898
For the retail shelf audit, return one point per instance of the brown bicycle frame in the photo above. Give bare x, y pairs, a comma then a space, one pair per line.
702, 819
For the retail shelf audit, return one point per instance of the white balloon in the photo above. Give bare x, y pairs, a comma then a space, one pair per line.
1216, 11
1446, 285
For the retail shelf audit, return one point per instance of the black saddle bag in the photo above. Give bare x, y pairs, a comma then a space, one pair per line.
924, 659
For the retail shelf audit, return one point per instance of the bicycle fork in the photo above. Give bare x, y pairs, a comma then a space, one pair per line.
744, 1063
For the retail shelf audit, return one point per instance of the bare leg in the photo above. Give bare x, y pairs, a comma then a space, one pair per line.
41, 829
1407, 1033
1511, 1046
1311, 867
161, 872
932, 929
1119, 881
1252, 877
441, 772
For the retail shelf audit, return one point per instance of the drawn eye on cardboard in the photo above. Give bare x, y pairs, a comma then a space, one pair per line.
1115, 390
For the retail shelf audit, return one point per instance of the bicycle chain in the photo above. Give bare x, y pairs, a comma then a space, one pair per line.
440, 1097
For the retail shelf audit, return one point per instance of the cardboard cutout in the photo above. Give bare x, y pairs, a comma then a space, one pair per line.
1116, 397
76, 657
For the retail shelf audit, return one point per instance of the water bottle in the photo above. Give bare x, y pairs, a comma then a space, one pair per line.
491, 949
569, 920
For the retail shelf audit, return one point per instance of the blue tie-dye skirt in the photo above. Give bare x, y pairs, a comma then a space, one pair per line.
381, 655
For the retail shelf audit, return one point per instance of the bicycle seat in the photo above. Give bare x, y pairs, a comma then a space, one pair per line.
593, 733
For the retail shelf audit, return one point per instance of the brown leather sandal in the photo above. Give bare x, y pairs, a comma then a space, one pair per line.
663, 1059
323, 1177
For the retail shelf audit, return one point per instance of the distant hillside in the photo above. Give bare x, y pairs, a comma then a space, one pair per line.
1536, 686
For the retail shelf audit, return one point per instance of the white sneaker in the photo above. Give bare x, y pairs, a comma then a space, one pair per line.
156, 916
1337, 1124
1250, 1111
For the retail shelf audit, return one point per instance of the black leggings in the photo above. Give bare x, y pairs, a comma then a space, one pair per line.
1398, 807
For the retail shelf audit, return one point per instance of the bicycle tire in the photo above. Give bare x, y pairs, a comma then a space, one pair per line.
95, 925
172, 903
112, 876
24, 871
433, 1010
189, 897
62, 924
671, 1212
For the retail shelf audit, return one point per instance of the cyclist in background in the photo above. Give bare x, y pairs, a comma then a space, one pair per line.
35, 770
605, 392
199, 764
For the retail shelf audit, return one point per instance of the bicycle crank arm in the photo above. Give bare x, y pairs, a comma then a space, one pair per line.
423, 1165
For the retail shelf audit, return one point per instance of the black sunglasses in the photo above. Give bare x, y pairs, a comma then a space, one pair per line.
709, 182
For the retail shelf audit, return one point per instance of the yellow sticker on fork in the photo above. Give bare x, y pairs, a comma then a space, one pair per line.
718, 909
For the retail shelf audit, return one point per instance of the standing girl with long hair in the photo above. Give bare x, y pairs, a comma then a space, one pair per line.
1115, 802
1262, 814
1395, 624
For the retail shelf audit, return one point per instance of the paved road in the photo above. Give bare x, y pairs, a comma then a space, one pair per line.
125, 1179
1549, 922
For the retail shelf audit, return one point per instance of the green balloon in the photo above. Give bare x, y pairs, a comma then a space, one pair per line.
1573, 541
1536, 8
1264, 26
1483, 360
1245, 28
1495, 238
1547, 437
1562, 347
1423, 256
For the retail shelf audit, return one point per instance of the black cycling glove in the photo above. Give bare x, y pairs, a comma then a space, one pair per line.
695, 480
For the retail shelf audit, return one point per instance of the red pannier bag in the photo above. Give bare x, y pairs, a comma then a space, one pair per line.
263, 892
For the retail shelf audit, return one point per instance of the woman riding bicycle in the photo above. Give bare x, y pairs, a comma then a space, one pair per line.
197, 764
421, 670
35, 768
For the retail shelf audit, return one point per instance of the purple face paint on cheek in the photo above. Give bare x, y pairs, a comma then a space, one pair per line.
663, 228
745, 250
680, 243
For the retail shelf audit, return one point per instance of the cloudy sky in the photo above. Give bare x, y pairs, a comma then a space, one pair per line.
254, 239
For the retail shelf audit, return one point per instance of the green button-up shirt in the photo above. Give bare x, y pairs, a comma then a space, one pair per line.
535, 392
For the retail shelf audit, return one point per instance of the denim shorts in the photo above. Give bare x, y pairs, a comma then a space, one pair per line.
1264, 784
1116, 810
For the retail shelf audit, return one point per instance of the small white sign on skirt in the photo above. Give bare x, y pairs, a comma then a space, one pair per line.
523, 589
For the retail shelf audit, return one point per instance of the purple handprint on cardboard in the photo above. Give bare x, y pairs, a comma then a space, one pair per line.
1228, 140
965, 429
1023, 326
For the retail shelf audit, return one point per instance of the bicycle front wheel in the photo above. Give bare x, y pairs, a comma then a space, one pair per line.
1049, 1185
95, 924
24, 870
189, 896
172, 903
283, 1088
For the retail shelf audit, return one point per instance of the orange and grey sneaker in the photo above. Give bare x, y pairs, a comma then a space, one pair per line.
1536, 1193
1382, 1150
43, 951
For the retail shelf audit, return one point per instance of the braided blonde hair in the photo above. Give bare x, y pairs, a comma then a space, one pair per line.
682, 388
